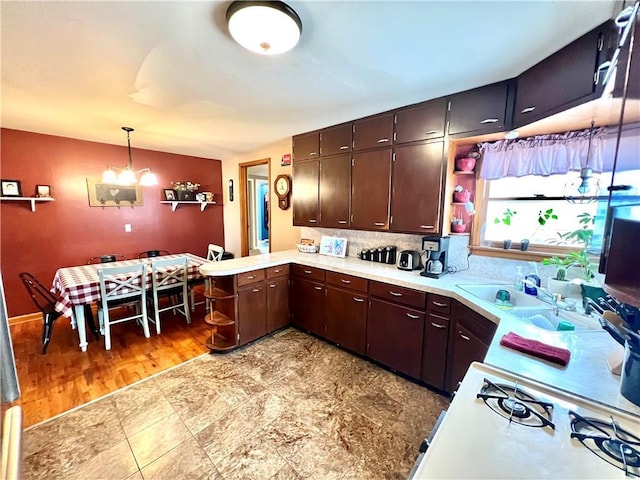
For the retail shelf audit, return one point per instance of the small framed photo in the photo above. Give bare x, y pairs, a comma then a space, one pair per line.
43, 191
10, 188
169, 194
333, 246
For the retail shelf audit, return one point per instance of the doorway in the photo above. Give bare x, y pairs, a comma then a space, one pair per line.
255, 208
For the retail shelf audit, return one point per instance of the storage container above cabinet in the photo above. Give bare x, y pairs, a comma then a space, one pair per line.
567, 78
306, 145
482, 110
421, 122
336, 140
373, 132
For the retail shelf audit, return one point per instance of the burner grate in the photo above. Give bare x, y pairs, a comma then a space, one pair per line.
516, 405
609, 441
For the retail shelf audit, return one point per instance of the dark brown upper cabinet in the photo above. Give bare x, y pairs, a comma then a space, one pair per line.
417, 188
336, 140
371, 189
335, 189
306, 145
373, 132
421, 122
567, 78
305, 193
482, 110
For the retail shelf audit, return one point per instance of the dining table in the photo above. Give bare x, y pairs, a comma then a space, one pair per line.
76, 287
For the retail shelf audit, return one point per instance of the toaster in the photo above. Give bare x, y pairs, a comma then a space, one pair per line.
409, 260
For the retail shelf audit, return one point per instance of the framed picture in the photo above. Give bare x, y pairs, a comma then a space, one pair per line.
169, 194
10, 188
43, 191
333, 246
112, 195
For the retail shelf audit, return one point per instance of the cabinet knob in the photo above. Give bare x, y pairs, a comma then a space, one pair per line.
527, 110
437, 325
359, 300
489, 120
410, 315
383, 140
395, 294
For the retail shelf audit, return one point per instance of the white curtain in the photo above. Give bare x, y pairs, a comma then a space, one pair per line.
543, 155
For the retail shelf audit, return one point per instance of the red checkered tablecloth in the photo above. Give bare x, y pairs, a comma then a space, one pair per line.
80, 285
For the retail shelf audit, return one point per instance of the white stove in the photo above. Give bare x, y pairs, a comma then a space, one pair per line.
500, 425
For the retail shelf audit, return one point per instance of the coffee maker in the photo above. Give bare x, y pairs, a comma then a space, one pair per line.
436, 264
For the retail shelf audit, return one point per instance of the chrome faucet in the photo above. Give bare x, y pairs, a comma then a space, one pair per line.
546, 297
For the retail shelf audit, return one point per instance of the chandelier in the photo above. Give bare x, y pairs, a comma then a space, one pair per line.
127, 175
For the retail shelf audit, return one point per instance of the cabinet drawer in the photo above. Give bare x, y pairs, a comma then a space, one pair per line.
395, 294
336, 140
438, 304
278, 271
373, 132
482, 328
250, 277
309, 272
306, 145
347, 281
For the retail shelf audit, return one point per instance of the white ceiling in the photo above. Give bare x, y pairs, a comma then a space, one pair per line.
171, 71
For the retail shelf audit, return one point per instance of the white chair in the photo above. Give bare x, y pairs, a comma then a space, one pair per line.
169, 280
214, 254
119, 287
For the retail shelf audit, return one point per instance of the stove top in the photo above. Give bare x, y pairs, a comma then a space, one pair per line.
500, 425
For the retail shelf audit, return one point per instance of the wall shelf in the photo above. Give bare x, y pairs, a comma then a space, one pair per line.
32, 200
174, 203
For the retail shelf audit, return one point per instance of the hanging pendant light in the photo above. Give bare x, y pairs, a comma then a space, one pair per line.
264, 27
585, 188
127, 175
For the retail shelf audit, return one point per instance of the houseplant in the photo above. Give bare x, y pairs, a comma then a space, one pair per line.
185, 190
506, 218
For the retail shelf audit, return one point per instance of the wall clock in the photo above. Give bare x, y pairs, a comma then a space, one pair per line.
283, 190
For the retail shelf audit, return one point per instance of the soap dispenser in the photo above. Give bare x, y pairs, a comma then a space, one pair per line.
532, 280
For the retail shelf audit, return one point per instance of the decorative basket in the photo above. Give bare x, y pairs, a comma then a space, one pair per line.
307, 248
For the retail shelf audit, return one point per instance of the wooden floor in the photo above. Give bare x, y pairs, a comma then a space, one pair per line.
65, 377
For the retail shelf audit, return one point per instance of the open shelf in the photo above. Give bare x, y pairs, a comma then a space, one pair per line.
217, 294
32, 200
460, 172
220, 343
174, 203
218, 319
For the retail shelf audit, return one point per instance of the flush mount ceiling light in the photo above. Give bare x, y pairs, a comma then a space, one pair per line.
127, 175
268, 28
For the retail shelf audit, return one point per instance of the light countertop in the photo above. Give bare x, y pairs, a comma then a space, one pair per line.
587, 373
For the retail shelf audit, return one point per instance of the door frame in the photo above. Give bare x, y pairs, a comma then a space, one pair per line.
244, 205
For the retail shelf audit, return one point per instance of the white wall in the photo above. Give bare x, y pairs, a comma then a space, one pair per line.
283, 234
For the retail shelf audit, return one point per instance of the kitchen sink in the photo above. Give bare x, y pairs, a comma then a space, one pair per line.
529, 308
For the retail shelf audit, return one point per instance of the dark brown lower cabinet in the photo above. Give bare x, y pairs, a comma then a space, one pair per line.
394, 336
346, 318
434, 351
277, 303
307, 305
252, 312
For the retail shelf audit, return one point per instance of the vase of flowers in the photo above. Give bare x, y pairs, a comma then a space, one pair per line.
185, 190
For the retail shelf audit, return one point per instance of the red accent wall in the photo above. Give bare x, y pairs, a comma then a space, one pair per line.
68, 231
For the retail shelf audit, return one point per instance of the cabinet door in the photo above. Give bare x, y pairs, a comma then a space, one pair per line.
417, 188
421, 122
277, 303
394, 336
465, 348
346, 318
370, 190
252, 308
563, 78
336, 140
373, 132
305, 193
481, 110
434, 350
307, 305
335, 191
306, 145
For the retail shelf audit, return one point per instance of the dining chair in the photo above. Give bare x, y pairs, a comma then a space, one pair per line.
107, 258
119, 287
153, 253
169, 280
214, 254
45, 301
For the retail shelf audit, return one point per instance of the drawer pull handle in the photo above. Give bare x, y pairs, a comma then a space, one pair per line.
379, 224
412, 316
463, 336
427, 226
273, 285
312, 220
307, 271
318, 288
342, 222
437, 325
311, 154
251, 277
395, 294
257, 289
345, 281
439, 304
527, 110
344, 147
383, 140
489, 120
359, 300
431, 132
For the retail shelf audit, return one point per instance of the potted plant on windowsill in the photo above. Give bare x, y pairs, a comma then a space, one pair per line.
506, 219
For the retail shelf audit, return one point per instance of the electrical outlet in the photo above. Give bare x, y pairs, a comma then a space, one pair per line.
127, 227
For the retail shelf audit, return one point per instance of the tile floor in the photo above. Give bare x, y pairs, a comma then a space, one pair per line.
287, 407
